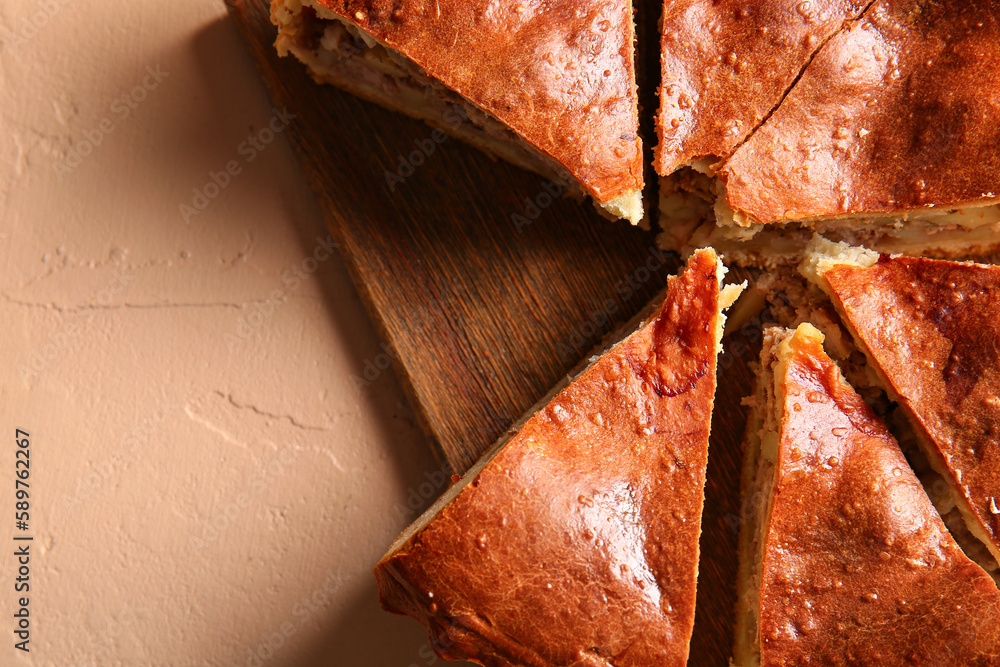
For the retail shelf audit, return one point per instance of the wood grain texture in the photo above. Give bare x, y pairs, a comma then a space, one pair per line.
482, 316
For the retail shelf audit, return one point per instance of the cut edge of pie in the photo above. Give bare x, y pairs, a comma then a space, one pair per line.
315, 38
693, 215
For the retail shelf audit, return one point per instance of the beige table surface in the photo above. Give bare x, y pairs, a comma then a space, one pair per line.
209, 484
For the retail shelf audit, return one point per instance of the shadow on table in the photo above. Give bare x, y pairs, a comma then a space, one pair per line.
365, 636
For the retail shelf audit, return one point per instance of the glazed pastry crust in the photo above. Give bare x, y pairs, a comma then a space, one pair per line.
856, 566
576, 542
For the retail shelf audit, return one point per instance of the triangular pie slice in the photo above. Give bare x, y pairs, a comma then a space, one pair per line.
844, 559
575, 541
888, 140
550, 87
931, 330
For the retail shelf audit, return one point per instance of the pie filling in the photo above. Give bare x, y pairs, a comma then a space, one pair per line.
690, 220
338, 52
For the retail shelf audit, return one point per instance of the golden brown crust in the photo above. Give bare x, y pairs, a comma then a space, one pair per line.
725, 65
896, 114
578, 542
858, 567
932, 328
561, 74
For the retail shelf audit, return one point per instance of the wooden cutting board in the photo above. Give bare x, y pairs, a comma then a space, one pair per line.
481, 313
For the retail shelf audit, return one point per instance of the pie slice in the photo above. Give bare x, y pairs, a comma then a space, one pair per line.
549, 87
889, 139
575, 540
844, 559
931, 330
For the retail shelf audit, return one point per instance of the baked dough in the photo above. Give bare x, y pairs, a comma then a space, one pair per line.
887, 137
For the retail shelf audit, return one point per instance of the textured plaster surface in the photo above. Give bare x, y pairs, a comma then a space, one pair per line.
209, 485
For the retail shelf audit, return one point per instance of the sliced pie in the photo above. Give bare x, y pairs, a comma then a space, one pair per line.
549, 87
931, 330
889, 139
575, 540
844, 559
